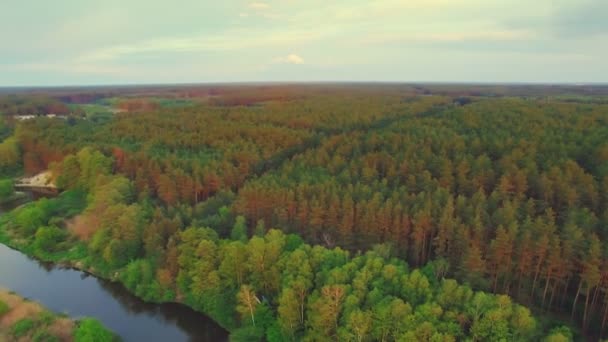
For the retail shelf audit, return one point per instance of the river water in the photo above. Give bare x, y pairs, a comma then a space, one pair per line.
78, 294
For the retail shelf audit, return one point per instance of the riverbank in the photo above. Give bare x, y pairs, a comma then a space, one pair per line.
187, 322
48, 239
24, 320
77, 294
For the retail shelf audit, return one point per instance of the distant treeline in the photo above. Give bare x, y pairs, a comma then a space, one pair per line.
32, 105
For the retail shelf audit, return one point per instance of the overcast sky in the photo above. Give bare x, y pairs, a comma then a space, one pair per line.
67, 42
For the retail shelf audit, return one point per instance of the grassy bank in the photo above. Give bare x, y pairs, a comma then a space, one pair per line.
24, 320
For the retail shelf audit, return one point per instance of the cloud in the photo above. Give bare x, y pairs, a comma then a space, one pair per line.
290, 59
264, 10
341, 39
448, 37
582, 19
236, 40
390, 8
571, 20
259, 5
72, 68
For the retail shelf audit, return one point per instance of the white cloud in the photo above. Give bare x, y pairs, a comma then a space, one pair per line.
290, 59
72, 68
295, 59
438, 37
391, 8
259, 5
230, 41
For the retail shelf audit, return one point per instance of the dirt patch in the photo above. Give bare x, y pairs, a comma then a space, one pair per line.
19, 309
62, 328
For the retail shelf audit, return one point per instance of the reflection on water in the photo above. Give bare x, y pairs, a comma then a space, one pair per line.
184, 317
78, 294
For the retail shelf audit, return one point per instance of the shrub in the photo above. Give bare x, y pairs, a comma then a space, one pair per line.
3, 308
22, 327
42, 335
91, 330
47, 238
46, 317
247, 334
6, 188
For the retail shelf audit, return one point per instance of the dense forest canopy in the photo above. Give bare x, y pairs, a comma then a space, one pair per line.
31, 105
334, 211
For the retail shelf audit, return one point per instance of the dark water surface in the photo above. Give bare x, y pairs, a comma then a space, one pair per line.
78, 294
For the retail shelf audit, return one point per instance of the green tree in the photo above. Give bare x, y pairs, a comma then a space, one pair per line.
247, 302
6, 189
47, 239
325, 312
10, 153
559, 334
492, 326
359, 323
522, 323
29, 218
92, 164
473, 266
289, 312
260, 228
590, 276
91, 330
239, 230
67, 172
233, 264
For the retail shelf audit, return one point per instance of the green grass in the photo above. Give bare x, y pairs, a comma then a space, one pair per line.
22, 327
169, 103
96, 113
109, 101
90, 329
42, 335
47, 317
3, 308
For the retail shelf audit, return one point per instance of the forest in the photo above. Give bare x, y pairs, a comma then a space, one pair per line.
329, 212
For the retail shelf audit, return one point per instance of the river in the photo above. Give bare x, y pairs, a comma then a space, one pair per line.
78, 294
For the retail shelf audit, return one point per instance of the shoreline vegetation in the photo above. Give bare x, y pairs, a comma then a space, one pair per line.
8, 195
23, 320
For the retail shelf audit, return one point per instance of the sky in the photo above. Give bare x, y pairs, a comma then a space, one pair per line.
91, 42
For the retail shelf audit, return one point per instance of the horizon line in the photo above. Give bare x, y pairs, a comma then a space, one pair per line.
320, 82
